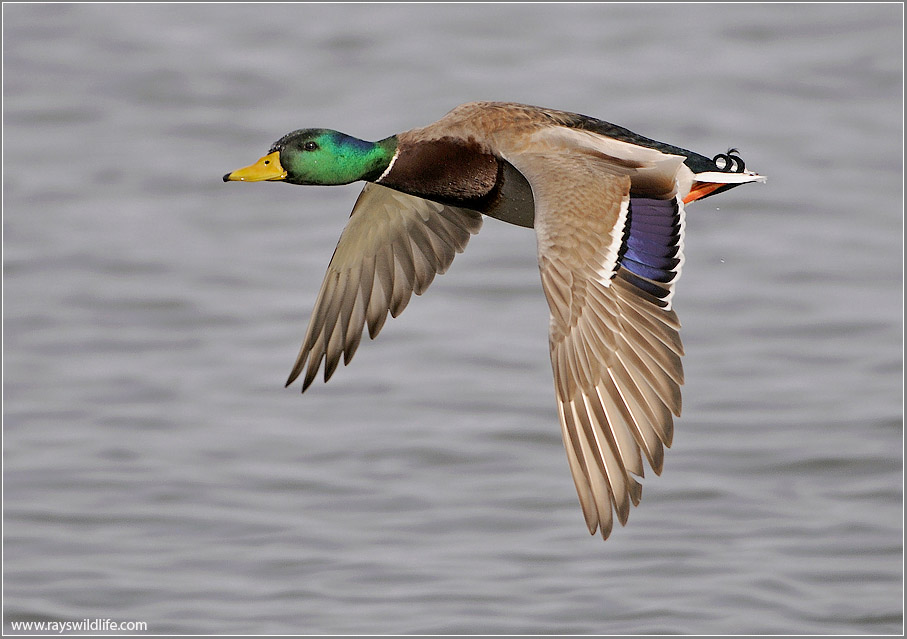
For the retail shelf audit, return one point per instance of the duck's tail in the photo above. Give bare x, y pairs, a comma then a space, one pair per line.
729, 171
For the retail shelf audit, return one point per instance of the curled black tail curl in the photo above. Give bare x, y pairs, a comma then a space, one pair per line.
731, 162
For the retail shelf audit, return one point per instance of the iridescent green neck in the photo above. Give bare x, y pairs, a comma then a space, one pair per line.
323, 156
382, 157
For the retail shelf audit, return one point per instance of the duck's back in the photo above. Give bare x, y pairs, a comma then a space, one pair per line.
487, 122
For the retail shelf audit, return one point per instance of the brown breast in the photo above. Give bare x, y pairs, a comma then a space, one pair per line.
448, 170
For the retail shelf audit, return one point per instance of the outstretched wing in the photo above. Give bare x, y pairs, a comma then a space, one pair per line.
608, 264
392, 246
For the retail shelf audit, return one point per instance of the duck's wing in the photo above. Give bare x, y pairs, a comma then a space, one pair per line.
392, 246
608, 265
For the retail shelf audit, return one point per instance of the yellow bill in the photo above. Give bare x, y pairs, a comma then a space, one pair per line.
267, 168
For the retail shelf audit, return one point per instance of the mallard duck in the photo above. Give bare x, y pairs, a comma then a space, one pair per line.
607, 206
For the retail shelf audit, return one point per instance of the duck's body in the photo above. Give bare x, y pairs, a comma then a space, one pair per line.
607, 207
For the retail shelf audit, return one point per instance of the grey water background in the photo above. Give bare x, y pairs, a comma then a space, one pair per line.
156, 470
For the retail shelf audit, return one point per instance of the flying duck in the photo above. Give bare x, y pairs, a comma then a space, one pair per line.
607, 206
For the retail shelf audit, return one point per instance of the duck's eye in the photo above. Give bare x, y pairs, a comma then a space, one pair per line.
267, 162
310, 146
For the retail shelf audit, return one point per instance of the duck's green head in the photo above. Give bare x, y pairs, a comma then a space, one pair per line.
319, 156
